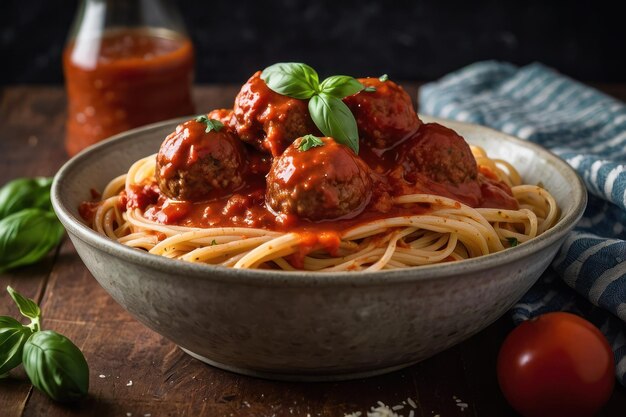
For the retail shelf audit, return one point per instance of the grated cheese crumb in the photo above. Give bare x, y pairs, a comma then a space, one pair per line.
129, 414
130, 384
382, 411
102, 376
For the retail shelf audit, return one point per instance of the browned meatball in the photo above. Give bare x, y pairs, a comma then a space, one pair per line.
270, 121
437, 160
322, 183
384, 117
194, 165
439, 153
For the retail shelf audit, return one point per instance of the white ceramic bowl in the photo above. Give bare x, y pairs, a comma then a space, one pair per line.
313, 326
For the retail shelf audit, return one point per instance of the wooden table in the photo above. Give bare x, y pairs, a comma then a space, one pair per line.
136, 372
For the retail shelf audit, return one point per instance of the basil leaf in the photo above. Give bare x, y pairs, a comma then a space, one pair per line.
27, 236
211, 124
13, 336
333, 118
309, 141
24, 193
340, 86
27, 306
56, 366
291, 79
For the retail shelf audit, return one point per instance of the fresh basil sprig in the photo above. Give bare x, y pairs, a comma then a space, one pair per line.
24, 193
331, 115
27, 236
52, 362
13, 334
308, 142
211, 124
28, 226
56, 366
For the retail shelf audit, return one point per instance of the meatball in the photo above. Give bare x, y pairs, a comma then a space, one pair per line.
267, 120
436, 159
322, 183
440, 154
384, 117
194, 165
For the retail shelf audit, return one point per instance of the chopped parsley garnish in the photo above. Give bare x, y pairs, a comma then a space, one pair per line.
308, 142
513, 241
370, 89
211, 124
213, 242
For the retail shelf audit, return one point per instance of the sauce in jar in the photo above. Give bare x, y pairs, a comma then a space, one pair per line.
124, 79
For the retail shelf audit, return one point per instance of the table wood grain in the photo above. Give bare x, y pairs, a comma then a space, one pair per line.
135, 372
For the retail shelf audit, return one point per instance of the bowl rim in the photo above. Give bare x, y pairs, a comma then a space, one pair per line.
311, 278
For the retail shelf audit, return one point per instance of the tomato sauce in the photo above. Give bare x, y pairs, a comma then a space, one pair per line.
125, 79
247, 207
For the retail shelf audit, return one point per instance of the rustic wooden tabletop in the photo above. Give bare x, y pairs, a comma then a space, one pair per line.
135, 372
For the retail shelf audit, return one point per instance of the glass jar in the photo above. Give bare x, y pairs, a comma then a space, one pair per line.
127, 63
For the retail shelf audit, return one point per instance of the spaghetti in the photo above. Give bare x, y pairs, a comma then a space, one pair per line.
442, 230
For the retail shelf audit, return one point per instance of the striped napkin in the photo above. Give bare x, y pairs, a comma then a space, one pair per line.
588, 130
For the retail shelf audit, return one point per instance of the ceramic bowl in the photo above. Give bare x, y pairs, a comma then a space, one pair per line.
312, 326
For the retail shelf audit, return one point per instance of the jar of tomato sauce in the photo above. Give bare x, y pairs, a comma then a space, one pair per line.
127, 63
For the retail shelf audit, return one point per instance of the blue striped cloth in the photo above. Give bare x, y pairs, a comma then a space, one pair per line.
588, 130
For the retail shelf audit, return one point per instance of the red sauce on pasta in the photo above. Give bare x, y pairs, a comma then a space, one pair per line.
247, 206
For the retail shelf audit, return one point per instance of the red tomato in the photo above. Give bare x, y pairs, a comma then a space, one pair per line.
557, 364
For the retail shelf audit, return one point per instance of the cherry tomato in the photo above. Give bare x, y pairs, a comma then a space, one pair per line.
557, 364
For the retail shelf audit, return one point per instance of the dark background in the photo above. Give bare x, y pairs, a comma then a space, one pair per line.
409, 40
